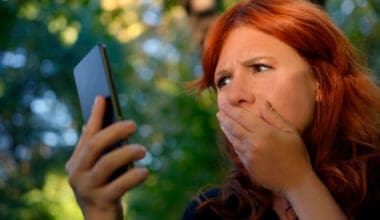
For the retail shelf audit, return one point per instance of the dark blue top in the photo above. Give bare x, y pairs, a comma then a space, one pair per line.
369, 210
209, 214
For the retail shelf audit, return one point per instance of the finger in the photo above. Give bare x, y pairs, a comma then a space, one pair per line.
103, 140
245, 117
230, 128
95, 122
116, 189
272, 117
238, 147
235, 133
115, 159
233, 140
94, 125
69, 166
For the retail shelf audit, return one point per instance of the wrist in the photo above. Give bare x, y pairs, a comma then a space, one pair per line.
311, 199
95, 213
306, 181
298, 180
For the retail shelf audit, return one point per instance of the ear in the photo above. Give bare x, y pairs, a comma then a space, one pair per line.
318, 92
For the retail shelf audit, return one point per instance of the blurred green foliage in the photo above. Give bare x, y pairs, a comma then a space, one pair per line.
153, 53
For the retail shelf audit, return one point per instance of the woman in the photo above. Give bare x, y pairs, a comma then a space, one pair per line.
298, 112
287, 80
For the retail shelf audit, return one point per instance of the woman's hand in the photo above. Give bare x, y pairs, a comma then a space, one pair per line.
269, 147
89, 169
273, 152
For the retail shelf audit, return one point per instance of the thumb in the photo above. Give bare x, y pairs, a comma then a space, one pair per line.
272, 117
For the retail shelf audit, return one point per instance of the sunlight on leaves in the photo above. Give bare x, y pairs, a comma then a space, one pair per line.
57, 24
152, 180
131, 32
69, 35
176, 14
57, 196
207, 99
166, 86
125, 26
28, 11
111, 5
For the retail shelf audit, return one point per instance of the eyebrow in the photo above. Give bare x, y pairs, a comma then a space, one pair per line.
249, 61
221, 72
245, 63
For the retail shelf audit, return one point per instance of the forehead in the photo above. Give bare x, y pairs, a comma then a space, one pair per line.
246, 42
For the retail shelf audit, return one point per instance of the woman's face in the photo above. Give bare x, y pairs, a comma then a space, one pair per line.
254, 67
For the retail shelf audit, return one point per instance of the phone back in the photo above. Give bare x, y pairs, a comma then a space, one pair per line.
93, 78
90, 76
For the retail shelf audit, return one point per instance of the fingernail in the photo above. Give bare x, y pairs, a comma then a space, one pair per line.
143, 171
222, 125
128, 123
222, 128
140, 148
96, 99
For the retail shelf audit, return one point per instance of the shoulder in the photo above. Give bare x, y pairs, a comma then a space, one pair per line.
190, 214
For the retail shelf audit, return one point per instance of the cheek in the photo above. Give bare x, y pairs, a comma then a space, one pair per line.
221, 100
296, 103
293, 96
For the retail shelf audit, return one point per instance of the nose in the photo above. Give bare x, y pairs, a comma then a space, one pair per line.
240, 91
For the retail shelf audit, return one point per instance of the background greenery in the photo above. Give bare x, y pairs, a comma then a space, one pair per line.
154, 48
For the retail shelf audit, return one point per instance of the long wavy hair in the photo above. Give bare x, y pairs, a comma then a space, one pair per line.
343, 142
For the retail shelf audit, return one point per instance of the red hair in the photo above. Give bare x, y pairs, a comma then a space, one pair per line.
344, 140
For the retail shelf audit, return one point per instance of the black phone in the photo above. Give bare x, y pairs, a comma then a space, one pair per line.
93, 77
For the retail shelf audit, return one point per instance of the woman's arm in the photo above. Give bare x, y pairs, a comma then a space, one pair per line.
310, 199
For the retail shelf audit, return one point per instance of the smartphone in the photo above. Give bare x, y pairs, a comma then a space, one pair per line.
93, 77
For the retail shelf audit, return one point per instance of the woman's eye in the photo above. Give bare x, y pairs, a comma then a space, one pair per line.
222, 81
260, 67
